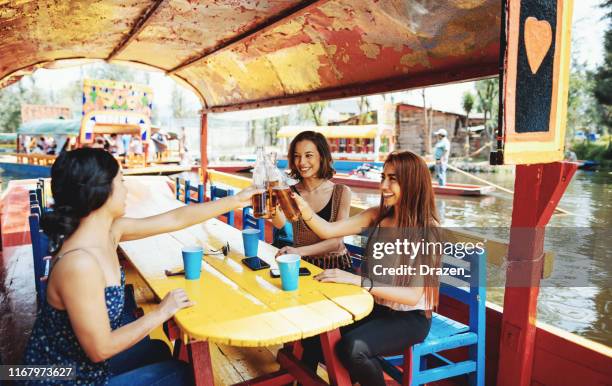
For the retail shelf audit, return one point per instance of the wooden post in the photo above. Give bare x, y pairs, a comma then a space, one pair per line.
537, 190
203, 145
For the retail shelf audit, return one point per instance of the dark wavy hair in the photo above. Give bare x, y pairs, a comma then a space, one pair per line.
326, 168
81, 182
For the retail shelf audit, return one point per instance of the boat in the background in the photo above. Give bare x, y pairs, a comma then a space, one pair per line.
587, 164
448, 189
368, 176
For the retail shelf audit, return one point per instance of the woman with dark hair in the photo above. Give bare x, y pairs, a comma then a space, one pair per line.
311, 163
402, 310
80, 322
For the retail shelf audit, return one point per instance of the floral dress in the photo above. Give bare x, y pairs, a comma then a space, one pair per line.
53, 341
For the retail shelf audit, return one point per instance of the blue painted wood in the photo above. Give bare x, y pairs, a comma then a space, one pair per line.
249, 221
217, 193
40, 244
444, 372
185, 188
446, 334
284, 236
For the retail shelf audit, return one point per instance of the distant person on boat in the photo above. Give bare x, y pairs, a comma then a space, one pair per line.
136, 145
160, 144
82, 321
311, 163
403, 302
41, 146
441, 154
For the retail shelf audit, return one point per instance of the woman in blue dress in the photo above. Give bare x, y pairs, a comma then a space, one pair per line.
80, 323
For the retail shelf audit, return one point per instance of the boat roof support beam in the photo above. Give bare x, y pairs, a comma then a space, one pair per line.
389, 85
140, 24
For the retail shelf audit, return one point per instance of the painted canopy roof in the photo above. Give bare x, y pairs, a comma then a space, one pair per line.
51, 127
243, 54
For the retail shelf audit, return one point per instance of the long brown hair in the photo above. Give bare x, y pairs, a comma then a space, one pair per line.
417, 218
326, 168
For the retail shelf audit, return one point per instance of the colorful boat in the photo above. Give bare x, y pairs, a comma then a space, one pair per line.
281, 53
449, 189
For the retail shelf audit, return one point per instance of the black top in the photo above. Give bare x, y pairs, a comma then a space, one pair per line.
324, 213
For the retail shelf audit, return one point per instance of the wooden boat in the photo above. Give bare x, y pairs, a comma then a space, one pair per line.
285, 53
448, 189
587, 164
231, 167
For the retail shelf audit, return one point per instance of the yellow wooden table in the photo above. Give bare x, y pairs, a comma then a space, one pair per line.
234, 305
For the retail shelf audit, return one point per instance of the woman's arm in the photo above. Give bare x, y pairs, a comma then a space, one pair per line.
279, 218
81, 289
404, 295
185, 216
326, 230
332, 244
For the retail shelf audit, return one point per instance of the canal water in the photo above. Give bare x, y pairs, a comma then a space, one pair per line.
584, 309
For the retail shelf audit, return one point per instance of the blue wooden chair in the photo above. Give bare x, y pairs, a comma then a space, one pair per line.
40, 249
184, 190
446, 334
250, 221
282, 237
217, 193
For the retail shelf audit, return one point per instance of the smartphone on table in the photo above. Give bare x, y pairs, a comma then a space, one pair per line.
255, 263
275, 273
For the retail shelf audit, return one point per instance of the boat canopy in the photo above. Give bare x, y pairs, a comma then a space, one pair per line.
50, 127
8, 137
250, 54
340, 131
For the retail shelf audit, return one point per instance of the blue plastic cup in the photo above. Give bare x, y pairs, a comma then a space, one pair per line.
289, 266
250, 239
192, 261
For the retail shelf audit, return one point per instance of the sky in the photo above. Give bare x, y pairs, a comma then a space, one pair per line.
588, 28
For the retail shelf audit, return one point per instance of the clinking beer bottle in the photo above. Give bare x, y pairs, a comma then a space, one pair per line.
259, 201
275, 178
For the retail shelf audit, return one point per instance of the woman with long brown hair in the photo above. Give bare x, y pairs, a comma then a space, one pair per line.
402, 313
311, 163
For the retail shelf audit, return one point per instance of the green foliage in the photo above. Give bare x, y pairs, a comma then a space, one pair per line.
487, 93
467, 102
180, 107
593, 151
583, 110
602, 89
313, 112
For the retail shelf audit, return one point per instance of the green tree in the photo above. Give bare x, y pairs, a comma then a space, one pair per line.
313, 112
583, 110
602, 89
180, 107
487, 94
467, 103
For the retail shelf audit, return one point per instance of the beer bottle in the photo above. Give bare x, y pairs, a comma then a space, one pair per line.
259, 201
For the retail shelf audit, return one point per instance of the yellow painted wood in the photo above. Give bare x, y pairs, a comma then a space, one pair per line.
217, 177
234, 306
223, 313
309, 308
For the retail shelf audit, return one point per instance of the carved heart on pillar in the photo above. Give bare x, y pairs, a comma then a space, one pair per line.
538, 38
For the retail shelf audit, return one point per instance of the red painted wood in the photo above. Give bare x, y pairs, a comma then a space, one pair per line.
537, 190
14, 225
294, 366
199, 356
203, 147
407, 377
338, 375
